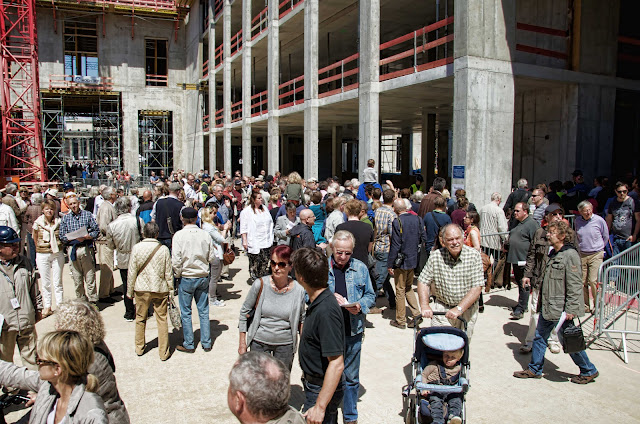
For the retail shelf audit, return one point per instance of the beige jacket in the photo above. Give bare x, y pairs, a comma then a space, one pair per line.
25, 289
42, 234
157, 276
192, 251
105, 216
122, 235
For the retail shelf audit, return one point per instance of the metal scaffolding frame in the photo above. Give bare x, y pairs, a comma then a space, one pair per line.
106, 133
155, 132
53, 136
390, 154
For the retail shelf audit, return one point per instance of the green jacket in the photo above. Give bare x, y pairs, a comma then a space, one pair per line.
561, 288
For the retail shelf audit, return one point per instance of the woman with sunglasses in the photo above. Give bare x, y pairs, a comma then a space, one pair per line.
277, 304
64, 386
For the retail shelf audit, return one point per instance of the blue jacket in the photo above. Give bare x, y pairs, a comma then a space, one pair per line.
408, 241
359, 289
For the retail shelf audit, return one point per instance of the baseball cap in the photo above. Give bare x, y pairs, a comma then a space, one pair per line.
552, 208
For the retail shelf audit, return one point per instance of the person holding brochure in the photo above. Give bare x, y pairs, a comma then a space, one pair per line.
351, 285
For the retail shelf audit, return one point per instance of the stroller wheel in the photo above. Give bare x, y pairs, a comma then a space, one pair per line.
410, 415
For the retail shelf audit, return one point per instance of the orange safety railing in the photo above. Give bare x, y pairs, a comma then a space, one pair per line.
236, 111
160, 80
259, 103
340, 77
415, 58
219, 56
217, 8
627, 46
236, 45
287, 6
80, 83
205, 123
219, 118
260, 23
155, 5
293, 94
545, 31
205, 69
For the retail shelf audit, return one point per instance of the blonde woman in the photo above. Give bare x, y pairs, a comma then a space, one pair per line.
49, 254
215, 268
63, 383
293, 192
78, 315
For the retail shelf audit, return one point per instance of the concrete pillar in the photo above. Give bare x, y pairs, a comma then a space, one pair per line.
444, 154
246, 87
226, 85
130, 138
483, 97
428, 148
273, 80
336, 151
212, 90
311, 18
369, 89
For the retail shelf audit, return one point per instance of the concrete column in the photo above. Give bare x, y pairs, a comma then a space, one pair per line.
212, 90
444, 154
483, 96
246, 87
336, 151
273, 80
226, 85
130, 138
428, 148
311, 17
369, 79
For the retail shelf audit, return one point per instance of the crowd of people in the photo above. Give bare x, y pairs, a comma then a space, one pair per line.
322, 255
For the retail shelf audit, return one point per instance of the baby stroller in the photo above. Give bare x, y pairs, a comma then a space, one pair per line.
417, 406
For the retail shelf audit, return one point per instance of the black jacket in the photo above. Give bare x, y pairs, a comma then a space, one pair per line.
301, 236
407, 241
168, 207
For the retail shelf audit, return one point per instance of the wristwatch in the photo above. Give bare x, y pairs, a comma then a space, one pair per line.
459, 308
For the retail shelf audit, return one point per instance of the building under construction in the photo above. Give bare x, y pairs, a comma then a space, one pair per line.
478, 91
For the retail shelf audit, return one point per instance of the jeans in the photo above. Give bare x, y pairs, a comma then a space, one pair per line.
437, 402
129, 310
311, 392
282, 352
620, 244
383, 281
543, 330
215, 268
523, 292
353, 347
198, 289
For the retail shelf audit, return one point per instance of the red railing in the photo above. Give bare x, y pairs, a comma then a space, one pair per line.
219, 118
628, 45
545, 31
217, 8
293, 94
205, 123
205, 69
155, 5
236, 111
159, 80
236, 45
340, 77
415, 58
287, 6
260, 23
80, 83
259, 103
219, 56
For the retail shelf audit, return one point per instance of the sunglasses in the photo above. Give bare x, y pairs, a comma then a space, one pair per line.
557, 213
280, 264
41, 362
622, 191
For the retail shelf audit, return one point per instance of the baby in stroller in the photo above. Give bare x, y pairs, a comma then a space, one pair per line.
445, 371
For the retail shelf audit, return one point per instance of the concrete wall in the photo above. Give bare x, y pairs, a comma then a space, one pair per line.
545, 13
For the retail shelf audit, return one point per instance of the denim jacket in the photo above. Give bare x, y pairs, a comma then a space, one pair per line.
359, 289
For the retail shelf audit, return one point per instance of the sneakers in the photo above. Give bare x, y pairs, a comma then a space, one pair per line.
455, 420
128, 318
219, 303
526, 348
396, 324
555, 347
526, 374
584, 379
516, 315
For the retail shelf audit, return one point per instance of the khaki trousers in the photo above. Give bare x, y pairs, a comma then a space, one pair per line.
26, 341
83, 271
470, 315
404, 290
159, 301
105, 257
590, 265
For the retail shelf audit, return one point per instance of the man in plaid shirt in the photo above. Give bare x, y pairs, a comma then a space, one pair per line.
455, 275
82, 253
384, 218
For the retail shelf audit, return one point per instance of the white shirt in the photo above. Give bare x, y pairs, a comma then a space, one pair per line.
258, 227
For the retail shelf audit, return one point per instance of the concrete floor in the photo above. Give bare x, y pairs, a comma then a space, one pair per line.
192, 388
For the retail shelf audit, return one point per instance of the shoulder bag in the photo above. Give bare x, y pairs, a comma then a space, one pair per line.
252, 312
573, 338
228, 255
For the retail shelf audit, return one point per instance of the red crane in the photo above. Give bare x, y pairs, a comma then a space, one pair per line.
22, 152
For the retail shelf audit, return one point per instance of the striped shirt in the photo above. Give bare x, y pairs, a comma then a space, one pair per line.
492, 220
384, 218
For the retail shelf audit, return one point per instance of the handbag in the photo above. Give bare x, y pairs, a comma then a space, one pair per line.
573, 338
228, 255
252, 312
174, 313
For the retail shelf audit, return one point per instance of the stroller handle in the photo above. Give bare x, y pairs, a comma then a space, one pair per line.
464, 321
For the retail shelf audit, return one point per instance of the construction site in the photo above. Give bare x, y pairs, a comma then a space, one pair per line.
494, 89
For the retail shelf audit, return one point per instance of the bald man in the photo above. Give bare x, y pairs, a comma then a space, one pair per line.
145, 208
301, 234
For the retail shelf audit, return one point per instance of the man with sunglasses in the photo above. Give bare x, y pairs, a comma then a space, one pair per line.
621, 214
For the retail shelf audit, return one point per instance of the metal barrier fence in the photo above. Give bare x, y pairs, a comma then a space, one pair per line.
617, 308
493, 245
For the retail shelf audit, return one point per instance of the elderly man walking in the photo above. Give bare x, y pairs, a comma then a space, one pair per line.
106, 215
191, 254
408, 233
122, 235
455, 274
351, 285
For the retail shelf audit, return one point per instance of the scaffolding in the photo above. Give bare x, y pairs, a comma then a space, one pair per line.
155, 131
53, 136
106, 133
390, 154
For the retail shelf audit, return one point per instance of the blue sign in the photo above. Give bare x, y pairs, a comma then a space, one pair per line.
458, 171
